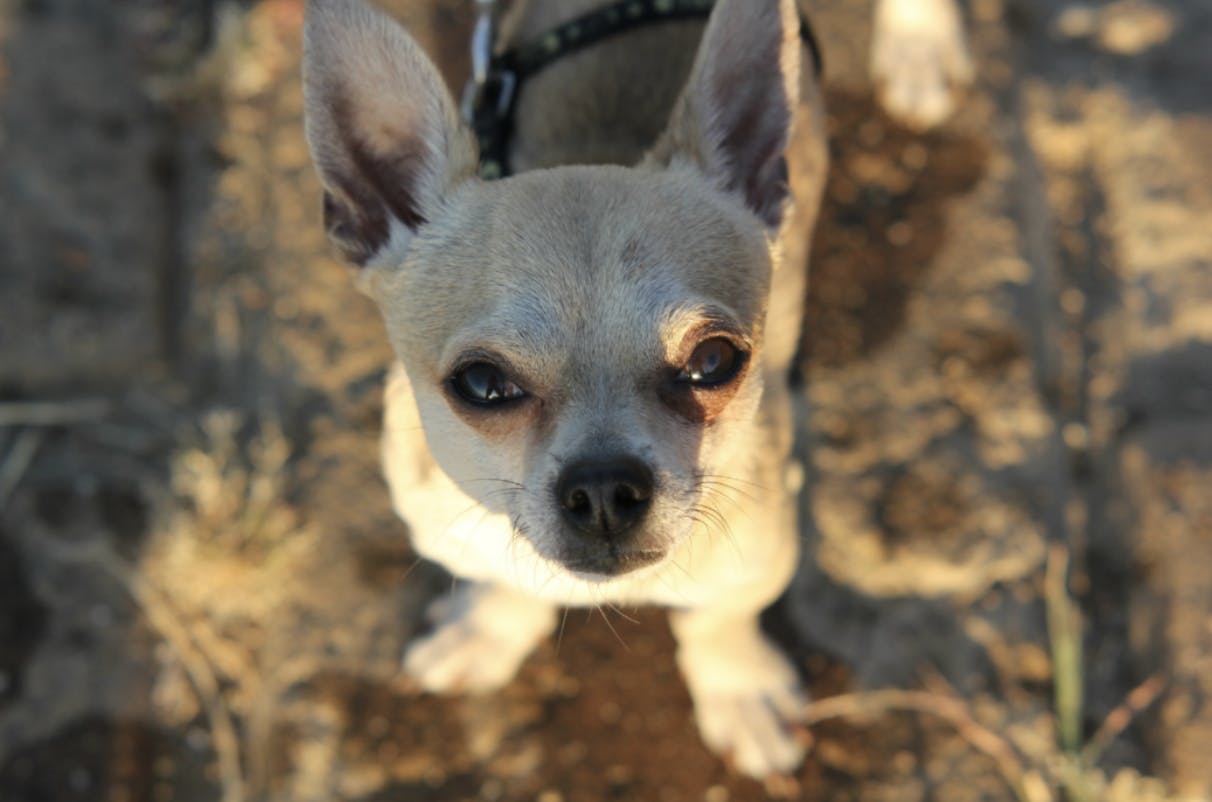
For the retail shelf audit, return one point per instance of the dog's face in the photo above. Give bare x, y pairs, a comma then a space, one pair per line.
584, 343
584, 353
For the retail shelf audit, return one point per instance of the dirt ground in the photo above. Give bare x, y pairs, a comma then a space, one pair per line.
1006, 418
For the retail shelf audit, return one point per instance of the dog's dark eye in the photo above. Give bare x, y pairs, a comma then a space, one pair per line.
713, 362
485, 384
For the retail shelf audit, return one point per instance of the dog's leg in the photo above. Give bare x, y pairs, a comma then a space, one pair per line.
919, 59
482, 634
747, 696
748, 700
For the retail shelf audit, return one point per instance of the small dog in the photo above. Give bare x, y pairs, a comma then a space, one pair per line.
591, 402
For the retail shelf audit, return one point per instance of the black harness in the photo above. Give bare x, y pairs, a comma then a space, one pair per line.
492, 112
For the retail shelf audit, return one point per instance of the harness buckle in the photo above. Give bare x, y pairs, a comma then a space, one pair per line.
482, 38
492, 119
506, 86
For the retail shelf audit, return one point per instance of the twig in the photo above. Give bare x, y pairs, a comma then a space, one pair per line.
954, 711
19, 458
52, 413
162, 617
1118, 719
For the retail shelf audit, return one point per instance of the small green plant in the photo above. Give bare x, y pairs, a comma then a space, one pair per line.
1076, 770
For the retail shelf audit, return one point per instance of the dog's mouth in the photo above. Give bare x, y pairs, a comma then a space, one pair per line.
612, 564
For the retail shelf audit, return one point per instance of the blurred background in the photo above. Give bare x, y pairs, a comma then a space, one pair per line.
1007, 425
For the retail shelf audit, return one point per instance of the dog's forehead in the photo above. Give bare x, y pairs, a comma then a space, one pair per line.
599, 250
612, 224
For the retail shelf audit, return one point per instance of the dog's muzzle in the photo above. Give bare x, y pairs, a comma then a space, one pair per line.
603, 503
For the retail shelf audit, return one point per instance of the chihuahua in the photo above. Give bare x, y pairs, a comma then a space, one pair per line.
591, 403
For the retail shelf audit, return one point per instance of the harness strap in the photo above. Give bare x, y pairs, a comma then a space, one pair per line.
493, 115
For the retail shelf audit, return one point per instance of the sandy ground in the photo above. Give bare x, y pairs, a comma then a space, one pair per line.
1007, 373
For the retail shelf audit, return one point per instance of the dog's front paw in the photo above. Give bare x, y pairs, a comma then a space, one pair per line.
748, 702
481, 636
458, 658
919, 60
759, 731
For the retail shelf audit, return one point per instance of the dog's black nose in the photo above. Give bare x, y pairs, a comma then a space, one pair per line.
605, 498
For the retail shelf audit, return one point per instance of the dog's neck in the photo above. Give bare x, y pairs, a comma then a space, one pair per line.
615, 96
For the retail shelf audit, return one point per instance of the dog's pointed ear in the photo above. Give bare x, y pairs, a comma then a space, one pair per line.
733, 120
383, 131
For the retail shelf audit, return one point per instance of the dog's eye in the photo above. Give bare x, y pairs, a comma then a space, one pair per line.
713, 362
485, 384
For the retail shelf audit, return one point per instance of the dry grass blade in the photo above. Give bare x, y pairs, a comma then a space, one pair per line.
954, 711
165, 621
19, 458
1118, 719
52, 413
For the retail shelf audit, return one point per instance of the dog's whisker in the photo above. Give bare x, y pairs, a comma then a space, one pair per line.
560, 631
610, 626
480, 480
725, 524
718, 522
727, 493
621, 614
503, 492
710, 494
698, 518
402, 429
668, 585
409, 570
684, 570
726, 528
515, 536
531, 560
467, 541
737, 484
719, 495
542, 564
724, 481
455, 520
731, 484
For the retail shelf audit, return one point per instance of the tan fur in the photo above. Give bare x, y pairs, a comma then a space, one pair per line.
592, 283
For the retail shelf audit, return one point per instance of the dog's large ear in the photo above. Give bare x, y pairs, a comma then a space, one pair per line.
734, 117
383, 130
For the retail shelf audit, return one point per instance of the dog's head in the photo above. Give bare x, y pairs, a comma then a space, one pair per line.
584, 343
